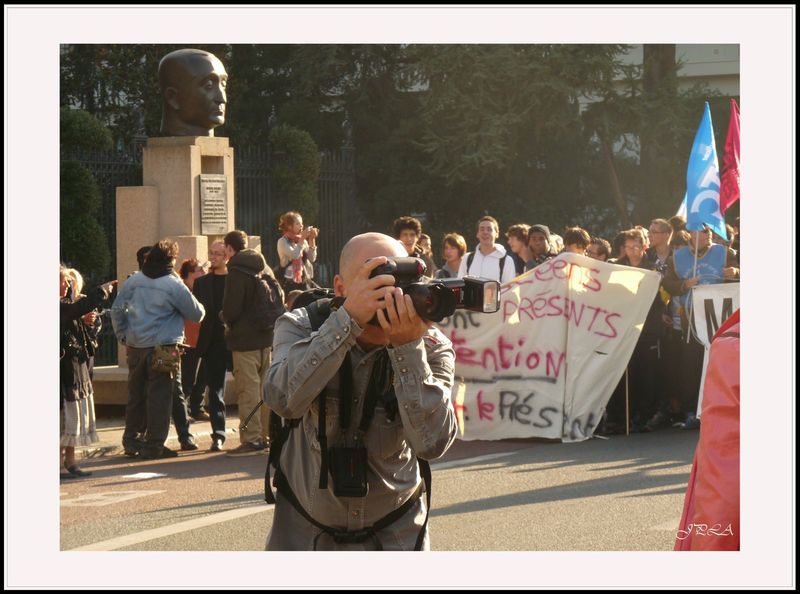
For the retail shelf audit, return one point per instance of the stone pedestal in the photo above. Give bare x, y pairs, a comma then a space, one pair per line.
184, 177
137, 225
168, 206
174, 166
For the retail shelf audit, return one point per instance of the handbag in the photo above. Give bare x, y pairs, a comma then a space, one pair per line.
167, 358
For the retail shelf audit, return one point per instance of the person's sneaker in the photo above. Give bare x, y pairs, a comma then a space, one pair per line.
200, 416
691, 423
247, 449
217, 445
658, 421
131, 449
611, 428
164, 453
189, 445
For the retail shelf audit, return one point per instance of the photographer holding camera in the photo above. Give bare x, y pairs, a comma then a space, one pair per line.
78, 316
297, 252
367, 393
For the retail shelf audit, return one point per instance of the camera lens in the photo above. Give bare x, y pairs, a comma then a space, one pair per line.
432, 301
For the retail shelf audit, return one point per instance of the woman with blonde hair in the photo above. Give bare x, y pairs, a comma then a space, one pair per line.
77, 314
297, 251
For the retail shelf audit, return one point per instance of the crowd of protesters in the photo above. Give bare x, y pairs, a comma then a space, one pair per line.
663, 376
661, 382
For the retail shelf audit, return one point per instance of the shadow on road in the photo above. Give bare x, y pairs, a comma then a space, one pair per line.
629, 465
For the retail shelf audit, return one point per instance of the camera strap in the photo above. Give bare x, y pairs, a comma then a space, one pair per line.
380, 382
380, 387
345, 393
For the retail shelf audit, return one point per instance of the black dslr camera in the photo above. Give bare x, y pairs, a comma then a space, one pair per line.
437, 299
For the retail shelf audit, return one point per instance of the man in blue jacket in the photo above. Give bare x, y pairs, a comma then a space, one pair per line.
150, 311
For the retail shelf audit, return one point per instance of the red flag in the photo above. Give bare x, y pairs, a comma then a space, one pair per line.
729, 188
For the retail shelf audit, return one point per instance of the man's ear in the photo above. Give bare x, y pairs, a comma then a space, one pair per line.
171, 97
338, 286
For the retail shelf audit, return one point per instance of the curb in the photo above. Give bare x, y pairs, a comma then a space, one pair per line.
99, 450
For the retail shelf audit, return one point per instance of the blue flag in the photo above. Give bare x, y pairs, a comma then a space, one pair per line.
682, 208
702, 181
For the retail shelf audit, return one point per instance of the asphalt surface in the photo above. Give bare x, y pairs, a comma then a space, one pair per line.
620, 494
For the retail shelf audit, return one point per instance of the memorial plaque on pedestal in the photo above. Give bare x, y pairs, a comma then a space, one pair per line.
213, 204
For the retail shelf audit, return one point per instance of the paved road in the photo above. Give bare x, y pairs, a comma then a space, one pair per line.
625, 493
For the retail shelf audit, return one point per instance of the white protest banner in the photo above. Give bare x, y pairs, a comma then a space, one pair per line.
546, 364
711, 306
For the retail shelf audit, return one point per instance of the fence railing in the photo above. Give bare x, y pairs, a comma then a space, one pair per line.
256, 208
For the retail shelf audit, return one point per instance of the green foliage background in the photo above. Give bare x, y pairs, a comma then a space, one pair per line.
296, 172
450, 132
83, 241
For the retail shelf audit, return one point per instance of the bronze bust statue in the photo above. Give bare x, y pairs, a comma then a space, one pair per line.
193, 84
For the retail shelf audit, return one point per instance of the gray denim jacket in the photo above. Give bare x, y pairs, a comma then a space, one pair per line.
303, 364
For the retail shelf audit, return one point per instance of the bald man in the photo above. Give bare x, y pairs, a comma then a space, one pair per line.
193, 88
400, 369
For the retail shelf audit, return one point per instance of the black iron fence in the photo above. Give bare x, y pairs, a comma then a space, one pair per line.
256, 208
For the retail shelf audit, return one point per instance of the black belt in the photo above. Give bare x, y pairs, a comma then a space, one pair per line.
356, 536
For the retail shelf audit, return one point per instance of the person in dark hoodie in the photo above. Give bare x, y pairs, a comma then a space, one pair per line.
150, 311
539, 246
249, 346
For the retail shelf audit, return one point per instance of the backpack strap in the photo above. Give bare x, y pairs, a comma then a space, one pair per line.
425, 471
275, 450
471, 257
318, 312
323, 442
347, 537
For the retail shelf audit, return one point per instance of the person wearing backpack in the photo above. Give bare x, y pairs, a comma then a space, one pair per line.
297, 251
489, 260
252, 301
366, 395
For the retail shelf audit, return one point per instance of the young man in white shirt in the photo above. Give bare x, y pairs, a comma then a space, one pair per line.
489, 260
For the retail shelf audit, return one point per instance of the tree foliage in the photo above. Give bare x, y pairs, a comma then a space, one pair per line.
83, 241
81, 130
296, 170
447, 131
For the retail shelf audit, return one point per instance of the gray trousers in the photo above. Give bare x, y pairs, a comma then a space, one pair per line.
149, 401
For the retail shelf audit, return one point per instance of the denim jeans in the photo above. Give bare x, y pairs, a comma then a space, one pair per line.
180, 414
217, 361
193, 380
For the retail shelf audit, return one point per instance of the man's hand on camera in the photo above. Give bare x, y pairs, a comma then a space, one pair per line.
364, 294
400, 321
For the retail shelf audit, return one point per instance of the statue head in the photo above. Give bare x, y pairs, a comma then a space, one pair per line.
193, 84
